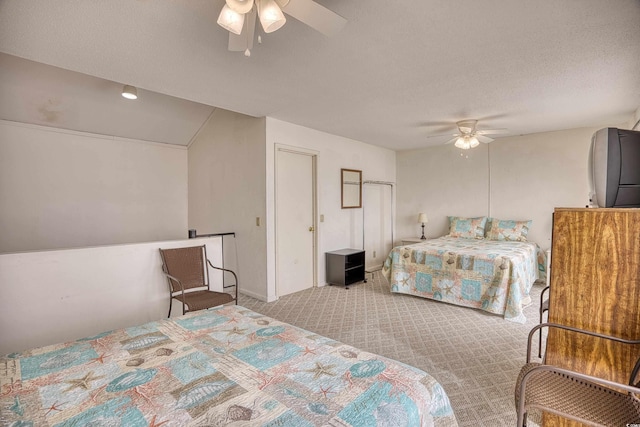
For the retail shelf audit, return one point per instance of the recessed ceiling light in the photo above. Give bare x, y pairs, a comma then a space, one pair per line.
130, 92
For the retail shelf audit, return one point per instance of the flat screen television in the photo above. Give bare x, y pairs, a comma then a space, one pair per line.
615, 168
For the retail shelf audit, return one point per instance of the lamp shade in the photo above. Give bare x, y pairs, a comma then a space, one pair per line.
463, 142
271, 17
240, 6
231, 20
130, 92
422, 218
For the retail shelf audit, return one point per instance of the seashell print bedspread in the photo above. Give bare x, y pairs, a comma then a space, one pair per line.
215, 367
494, 276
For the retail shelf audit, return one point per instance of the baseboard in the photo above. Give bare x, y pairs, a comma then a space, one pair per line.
374, 268
254, 295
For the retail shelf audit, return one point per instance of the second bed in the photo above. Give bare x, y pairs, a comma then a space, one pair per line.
494, 276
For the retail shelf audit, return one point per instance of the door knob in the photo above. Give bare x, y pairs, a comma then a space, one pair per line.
311, 228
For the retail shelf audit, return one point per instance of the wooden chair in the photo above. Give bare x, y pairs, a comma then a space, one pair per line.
187, 272
576, 396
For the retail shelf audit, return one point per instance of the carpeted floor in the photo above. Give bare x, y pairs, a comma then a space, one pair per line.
476, 356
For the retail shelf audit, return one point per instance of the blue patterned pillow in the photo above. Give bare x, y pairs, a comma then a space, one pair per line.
467, 228
507, 229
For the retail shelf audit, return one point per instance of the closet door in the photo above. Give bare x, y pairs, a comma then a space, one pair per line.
378, 224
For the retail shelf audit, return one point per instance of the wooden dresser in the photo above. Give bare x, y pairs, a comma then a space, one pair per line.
595, 285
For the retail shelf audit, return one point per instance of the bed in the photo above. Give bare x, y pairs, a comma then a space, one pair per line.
491, 275
215, 367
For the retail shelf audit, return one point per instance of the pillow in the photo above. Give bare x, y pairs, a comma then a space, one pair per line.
467, 228
508, 230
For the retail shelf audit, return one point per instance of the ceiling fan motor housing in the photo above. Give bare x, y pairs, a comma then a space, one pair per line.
467, 126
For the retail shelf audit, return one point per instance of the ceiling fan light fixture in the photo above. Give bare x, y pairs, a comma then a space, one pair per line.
271, 16
240, 6
231, 20
469, 136
463, 143
129, 92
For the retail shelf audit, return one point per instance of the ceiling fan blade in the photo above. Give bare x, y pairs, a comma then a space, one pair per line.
452, 140
244, 41
484, 139
491, 131
448, 124
314, 15
441, 135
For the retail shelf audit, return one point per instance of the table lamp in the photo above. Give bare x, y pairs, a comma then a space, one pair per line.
422, 218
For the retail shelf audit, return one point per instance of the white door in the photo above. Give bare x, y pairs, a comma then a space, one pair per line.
378, 223
295, 224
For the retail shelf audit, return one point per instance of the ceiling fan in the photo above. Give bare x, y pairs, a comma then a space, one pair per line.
239, 18
469, 136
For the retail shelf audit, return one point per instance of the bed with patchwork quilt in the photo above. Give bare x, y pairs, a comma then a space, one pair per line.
492, 275
227, 365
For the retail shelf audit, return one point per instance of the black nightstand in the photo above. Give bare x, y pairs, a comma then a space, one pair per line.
345, 267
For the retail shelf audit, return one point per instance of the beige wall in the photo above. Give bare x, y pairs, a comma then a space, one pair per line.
231, 183
635, 119
227, 192
440, 181
62, 189
533, 174
55, 296
342, 228
521, 177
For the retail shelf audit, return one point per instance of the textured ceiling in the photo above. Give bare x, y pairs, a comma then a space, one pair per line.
35, 93
397, 72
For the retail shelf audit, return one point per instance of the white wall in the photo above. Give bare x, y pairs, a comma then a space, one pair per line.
635, 118
521, 177
227, 192
378, 223
62, 189
440, 181
533, 174
342, 228
55, 296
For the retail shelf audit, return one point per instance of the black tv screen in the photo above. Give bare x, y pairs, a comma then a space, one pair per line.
616, 168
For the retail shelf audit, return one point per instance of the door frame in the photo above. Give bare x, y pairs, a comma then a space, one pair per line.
314, 196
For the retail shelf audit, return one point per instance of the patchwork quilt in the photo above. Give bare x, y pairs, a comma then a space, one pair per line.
494, 276
222, 366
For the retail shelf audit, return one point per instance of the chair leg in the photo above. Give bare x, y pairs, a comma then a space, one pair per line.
542, 309
522, 419
540, 338
540, 343
540, 333
170, 301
